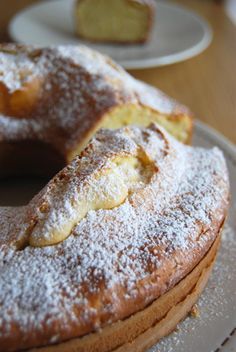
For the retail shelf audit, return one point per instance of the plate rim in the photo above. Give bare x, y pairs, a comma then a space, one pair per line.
224, 143
137, 63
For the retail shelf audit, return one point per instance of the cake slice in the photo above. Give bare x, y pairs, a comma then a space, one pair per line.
121, 21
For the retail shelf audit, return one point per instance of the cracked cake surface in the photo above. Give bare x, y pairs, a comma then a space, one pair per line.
62, 95
114, 261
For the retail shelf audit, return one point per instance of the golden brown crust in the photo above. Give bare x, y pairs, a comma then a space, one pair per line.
166, 325
62, 96
116, 261
140, 331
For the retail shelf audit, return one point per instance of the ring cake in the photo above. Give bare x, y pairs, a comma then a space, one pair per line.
52, 101
115, 249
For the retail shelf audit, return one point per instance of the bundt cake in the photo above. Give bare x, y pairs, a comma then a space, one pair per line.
116, 248
52, 101
118, 21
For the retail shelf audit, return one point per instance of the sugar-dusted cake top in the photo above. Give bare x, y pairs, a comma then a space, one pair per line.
58, 95
115, 259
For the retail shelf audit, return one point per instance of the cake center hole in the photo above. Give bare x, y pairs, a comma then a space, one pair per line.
25, 168
16, 191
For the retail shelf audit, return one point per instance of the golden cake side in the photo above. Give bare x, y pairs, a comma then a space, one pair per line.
115, 261
143, 329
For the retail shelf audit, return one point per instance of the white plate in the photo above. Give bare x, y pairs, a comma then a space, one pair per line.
215, 329
178, 33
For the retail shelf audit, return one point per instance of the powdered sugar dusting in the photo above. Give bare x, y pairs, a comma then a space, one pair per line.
216, 306
77, 86
77, 282
15, 70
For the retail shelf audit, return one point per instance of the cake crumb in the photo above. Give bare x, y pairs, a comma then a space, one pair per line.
194, 312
